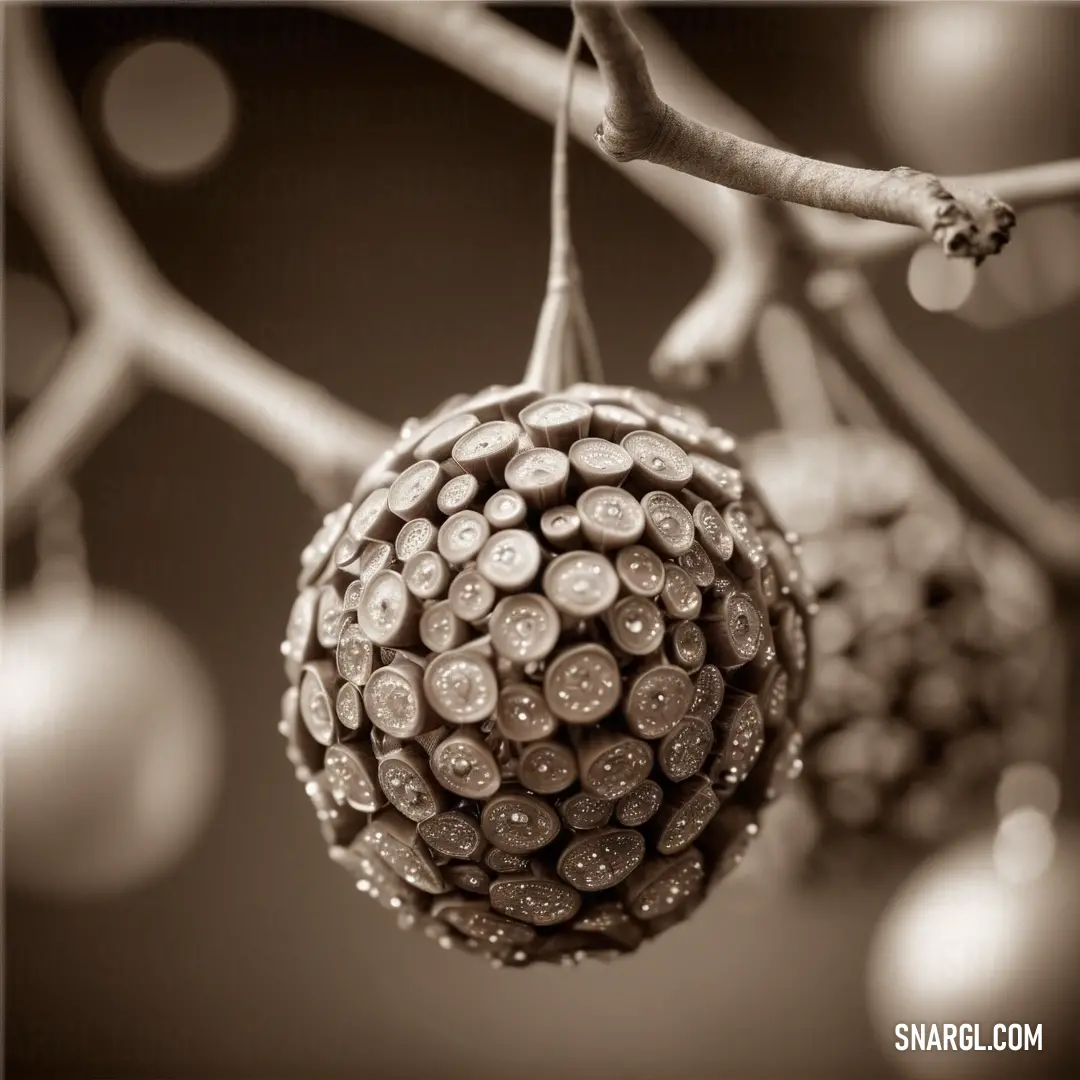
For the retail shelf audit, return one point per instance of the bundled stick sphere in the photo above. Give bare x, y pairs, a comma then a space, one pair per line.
545, 669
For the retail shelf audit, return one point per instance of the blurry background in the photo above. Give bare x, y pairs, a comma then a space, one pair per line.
378, 223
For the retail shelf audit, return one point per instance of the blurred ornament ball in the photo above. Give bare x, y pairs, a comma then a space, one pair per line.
545, 671
986, 932
970, 87
111, 745
937, 661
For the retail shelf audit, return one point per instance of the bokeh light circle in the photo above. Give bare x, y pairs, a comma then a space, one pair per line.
985, 932
1028, 785
112, 746
36, 330
168, 109
1038, 273
938, 283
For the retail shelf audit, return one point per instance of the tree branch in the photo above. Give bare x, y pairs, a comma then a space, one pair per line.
137, 324
323, 441
831, 236
93, 389
791, 368
638, 126
968, 463
1023, 189
713, 329
528, 73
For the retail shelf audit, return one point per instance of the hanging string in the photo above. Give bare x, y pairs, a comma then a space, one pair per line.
62, 568
564, 349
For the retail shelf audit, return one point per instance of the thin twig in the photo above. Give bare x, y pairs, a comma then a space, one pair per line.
62, 563
638, 126
138, 327
857, 332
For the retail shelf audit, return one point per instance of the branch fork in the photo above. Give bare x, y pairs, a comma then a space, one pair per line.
136, 329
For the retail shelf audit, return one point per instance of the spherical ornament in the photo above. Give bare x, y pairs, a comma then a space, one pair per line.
111, 747
986, 933
937, 662
545, 671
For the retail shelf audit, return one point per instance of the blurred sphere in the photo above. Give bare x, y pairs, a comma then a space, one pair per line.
1027, 785
36, 330
938, 283
968, 87
168, 109
1039, 272
111, 745
963, 942
937, 662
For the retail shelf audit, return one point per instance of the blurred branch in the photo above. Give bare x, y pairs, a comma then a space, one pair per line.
637, 125
1023, 189
713, 329
138, 326
847, 396
845, 315
790, 366
324, 442
94, 387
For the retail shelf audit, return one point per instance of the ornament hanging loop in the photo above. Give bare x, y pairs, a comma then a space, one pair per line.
62, 570
564, 349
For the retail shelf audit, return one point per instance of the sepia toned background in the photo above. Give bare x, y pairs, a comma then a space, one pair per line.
378, 224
